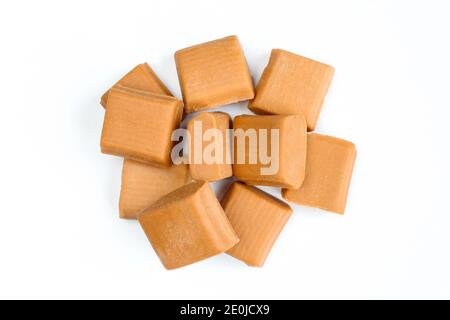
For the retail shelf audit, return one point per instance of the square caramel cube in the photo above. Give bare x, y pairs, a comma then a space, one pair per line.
292, 84
142, 77
217, 148
329, 167
187, 225
139, 126
270, 150
258, 219
142, 185
212, 74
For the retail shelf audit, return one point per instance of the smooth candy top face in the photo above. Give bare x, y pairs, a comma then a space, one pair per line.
187, 225
212, 74
141, 77
258, 219
329, 167
291, 150
222, 167
142, 185
139, 126
292, 84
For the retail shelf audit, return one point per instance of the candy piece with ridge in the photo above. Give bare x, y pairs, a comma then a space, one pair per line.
213, 74
139, 126
187, 225
210, 153
258, 219
292, 84
142, 77
270, 150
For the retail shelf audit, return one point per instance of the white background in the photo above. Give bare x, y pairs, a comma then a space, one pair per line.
60, 235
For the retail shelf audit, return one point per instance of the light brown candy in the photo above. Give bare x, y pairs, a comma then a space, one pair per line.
218, 145
142, 185
143, 78
258, 218
329, 168
212, 74
290, 153
139, 126
292, 84
187, 225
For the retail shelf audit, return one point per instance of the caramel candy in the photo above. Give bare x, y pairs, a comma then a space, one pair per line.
257, 218
212, 74
329, 167
292, 84
279, 164
219, 166
143, 78
142, 185
139, 126
187, 225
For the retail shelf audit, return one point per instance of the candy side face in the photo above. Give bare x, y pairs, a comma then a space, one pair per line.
142, 185
329, 168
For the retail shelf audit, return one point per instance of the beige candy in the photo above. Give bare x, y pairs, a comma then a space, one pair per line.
289, 150
258, 219
187, 225
213, 74
329, 168
142, 185
292, 84
139, 126
221, 153
142, 77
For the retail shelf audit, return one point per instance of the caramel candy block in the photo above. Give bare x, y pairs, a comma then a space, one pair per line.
139, 126
329, 167
212, 74
142, 185
292, 84
270, 150
187, 225
258, 219
143, 78
210, 160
